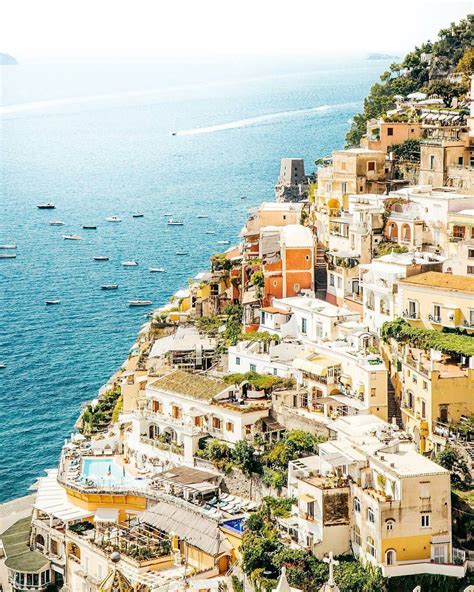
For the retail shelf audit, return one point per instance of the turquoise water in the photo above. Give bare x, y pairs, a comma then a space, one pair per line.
96, 140
105, 471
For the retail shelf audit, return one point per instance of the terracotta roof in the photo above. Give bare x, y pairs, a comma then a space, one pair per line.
444, 281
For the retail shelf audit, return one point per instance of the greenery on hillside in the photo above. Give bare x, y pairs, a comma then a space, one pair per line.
451, 52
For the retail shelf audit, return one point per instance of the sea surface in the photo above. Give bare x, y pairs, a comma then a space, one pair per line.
96, 140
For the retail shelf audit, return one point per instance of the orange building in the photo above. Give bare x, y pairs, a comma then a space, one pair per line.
383, 134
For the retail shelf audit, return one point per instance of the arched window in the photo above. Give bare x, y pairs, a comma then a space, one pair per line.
39, 540
370, 300
393, 231
153, 431
371, 546
389, 524
356, 504
390, 557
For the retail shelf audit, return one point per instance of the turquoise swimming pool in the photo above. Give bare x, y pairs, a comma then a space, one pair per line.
106, 471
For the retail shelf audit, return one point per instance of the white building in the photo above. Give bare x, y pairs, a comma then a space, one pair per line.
256, 356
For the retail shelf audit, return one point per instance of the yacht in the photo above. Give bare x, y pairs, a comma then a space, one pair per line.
89, 227
172, 222
113, 219
139, 302
7, 255
137, 215
156, 269
201, 216
101, 258
56, 223
129, 263
109, 287
52, 302
46, 206
2, 365
13, 246
223, 242
71, 237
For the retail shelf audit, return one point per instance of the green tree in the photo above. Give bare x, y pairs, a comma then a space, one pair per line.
409, 150
451, 459
243, 454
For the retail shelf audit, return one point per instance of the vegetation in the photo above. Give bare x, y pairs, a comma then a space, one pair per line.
447, 342
233, 325
407, 151
98, 417
451, 459
295, 444
260, 336
416, 74
264, 382
117, 409
219, 262
433, 583
386, 247
466, 63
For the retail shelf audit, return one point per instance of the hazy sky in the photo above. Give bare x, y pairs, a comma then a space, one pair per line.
166, 28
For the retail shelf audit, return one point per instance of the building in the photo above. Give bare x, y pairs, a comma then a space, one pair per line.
264, 358
387, 131
461, 242
292, 184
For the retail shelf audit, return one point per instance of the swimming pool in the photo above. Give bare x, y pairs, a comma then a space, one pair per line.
237, 525
106, 471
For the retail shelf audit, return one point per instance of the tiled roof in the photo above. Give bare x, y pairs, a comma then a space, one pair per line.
445, 281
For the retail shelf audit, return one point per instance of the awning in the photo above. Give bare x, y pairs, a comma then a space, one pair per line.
106, 515
345, 379
440, 539
306, 498
348, 401
51, 498
336, 459
318, 365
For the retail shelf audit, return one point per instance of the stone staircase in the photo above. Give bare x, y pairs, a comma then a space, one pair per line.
320, 272
393, 405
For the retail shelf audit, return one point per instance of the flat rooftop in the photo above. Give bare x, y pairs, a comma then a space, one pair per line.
444, 281
192, 385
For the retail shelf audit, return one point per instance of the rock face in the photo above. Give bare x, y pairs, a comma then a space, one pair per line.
7, 60
292, 184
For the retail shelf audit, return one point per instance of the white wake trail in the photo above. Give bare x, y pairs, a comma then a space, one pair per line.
261, 119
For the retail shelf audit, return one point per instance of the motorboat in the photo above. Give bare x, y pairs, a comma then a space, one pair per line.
223, 242
201, 216
8, 246
7, 255
56, 223
139, 302
137, 215
109, 287
210, 232
172, 222
156, 269
129, 263
101, 258
167, 215
71, 237
46, 206
243, 197
2, 365
53, 302
181, 253
113, 219
89, 227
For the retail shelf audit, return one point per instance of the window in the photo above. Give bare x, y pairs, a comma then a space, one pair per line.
357, 539
412, 309
216, 423
331, 279
432, 162
471, 317
460, 160
248, 430
459, 231
253, 368
304, 326
237, 361
423, 410
410, 400
310, 509
339, 282
319, 329
425, 385
343, 188
370, 515
275, 372
470, 253
229, 426
436, 313
296, 288
373, 392
309, 540
371, 165
356, 504
389, 525
263, 317
371, 546
425, 520
390, 131
328, 187
390, 557
470, 269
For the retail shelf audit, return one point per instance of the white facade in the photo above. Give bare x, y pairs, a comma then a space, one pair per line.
249, 356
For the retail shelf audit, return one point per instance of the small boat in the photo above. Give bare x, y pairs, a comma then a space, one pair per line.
53, 302
71, 237
167, 215
87, 227
113, 219
156, 269
129, 263
137, 215
109, 287
223, 242
7, 255
101, 258
181, 253
46, 206
174, 133
172, 222
243, 197
8, 246
210, 232
2, 365
56, 223
139, 302
201, 216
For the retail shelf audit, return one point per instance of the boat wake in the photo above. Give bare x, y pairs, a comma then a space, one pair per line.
268, 118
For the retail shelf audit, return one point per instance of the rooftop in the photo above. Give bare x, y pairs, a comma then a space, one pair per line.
192, 385
296, 235
187, 476
16, 544
444, 281
185, 339
315, 305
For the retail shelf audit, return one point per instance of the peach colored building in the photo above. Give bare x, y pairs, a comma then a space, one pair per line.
383, 134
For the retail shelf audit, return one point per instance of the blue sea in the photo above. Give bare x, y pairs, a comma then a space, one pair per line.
96, 140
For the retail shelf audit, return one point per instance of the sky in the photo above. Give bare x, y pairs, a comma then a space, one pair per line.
163, 29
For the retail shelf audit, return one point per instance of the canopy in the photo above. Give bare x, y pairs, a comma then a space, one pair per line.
307, 498
106, 515
52, 499
318, 365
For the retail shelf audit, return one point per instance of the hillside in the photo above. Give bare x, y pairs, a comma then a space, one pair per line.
427, 68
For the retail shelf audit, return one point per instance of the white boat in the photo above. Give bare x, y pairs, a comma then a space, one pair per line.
129, 263
71, 237
53, 302
109, 287
167, 215
113, 219
172, 222
56, 223
210, 232
139, 302
101, 258
181, 253
156, 269
12, 246
7, 255
46, 206
201, 216
223, 242
2, 365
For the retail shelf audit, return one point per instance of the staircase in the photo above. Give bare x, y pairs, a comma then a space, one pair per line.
393, 406
320, 272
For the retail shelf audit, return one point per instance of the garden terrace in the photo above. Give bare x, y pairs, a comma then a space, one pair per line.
191, 385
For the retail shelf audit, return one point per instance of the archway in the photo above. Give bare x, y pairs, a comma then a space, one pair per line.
170, 435
392, 231
390, 557
406, 233
153, 431
39, 540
